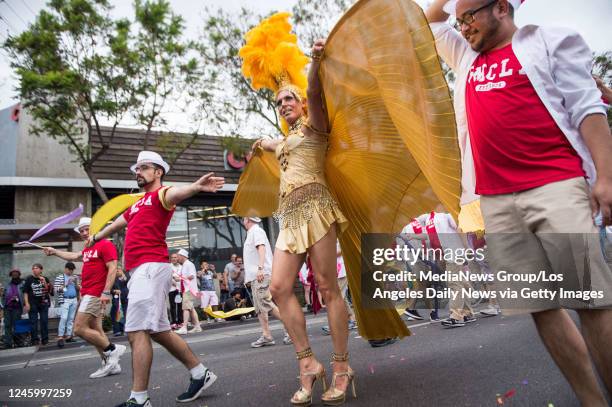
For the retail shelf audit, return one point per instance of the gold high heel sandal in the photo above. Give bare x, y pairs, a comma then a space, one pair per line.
303, 397
334, 396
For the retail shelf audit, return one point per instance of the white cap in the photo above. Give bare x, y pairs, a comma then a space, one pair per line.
183, 252
82, 222
150, 157
450, 6
255, 219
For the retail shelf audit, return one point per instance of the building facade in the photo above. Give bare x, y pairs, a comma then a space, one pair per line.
40, 180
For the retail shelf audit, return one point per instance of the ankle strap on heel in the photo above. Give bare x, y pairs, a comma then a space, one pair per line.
339, 357
303, 354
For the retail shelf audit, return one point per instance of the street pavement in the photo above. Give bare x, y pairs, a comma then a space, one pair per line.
468, 366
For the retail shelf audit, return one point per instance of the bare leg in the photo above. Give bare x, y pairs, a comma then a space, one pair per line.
263, 322
142, 357
284, 271
194, 318
323, 260
307, 294
186, 314
569, 351
177, 347
89, 328
597, 332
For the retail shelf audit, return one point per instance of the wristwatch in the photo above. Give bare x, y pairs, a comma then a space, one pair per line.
106, 293
259, 267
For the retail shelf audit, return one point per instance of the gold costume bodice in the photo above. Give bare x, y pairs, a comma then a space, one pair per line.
302, 161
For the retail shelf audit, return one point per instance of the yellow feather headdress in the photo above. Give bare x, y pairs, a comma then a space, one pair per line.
272, 59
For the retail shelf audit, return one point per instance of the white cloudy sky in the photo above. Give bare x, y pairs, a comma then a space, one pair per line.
591, 18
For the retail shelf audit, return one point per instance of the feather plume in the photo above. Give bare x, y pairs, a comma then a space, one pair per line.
271, 57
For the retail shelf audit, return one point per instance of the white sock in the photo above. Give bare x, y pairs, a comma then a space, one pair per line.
198, 372
139, 396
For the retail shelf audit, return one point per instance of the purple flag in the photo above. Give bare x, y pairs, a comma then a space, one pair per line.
57, 222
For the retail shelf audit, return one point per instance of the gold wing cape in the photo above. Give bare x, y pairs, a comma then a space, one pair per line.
393, 151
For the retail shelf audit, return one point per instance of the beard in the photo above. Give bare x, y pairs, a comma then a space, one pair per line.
142, 182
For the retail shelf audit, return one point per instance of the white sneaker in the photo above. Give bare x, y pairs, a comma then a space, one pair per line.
182, 330
113, 356
197, 328
489, 311
116, 369
98, 372
107, 369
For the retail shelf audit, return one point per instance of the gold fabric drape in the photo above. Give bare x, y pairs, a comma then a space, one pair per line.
393, 151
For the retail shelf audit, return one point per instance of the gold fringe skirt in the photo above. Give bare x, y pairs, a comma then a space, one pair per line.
305, 216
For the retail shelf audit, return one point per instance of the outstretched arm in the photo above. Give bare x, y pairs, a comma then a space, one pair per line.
207, 183
119, 224
316, 112
266, 144
68, 256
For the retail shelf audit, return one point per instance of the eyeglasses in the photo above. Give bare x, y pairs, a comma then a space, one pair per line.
142, 168
468, 17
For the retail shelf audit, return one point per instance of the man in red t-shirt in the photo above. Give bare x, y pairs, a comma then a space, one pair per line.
97, 278
531, 128
146, 257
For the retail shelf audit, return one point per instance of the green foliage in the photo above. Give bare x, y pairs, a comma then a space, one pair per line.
78, 69
226, 100
602, 67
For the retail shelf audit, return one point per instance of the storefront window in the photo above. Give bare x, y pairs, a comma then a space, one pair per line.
214, 233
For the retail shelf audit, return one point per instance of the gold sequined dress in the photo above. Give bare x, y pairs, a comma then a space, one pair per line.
306, 209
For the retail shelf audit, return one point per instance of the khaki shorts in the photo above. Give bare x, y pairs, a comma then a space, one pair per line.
262, 299
547, 228
188, 301
149, 286
91, 305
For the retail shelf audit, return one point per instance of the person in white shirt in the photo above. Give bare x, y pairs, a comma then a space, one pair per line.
174, 296
189, 286
258, 272
536, 146
441, 231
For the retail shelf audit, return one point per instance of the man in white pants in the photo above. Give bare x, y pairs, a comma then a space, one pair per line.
146, 256
258, 271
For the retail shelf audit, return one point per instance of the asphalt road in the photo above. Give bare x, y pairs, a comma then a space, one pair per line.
465, 366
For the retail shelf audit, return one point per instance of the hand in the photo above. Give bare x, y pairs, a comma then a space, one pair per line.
257, 144
209, 183
318, 49
260, 276
601, 199
49, 251
104, 299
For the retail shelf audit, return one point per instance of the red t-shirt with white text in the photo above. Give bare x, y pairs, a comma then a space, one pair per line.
147, 223
516, 143
93, 278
